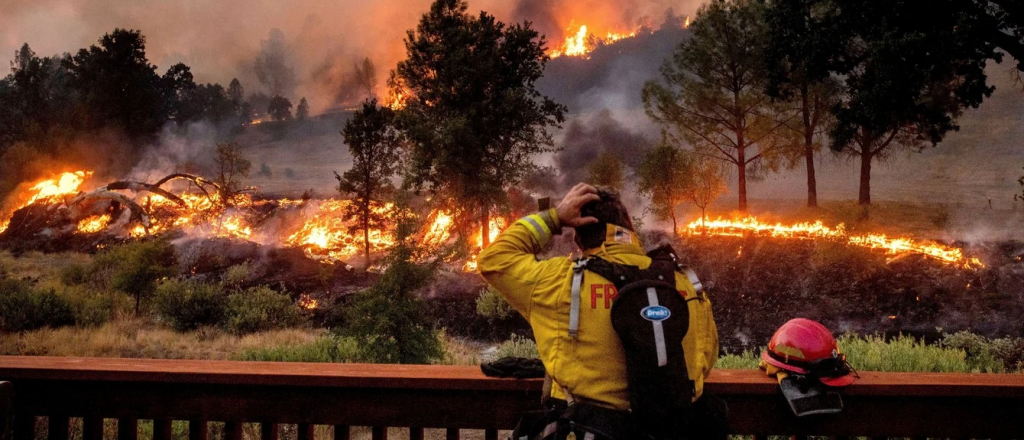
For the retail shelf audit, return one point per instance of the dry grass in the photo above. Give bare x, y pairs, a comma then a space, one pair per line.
133, 338
40, 266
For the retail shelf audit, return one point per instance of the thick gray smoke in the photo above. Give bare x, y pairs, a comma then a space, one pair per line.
587, 138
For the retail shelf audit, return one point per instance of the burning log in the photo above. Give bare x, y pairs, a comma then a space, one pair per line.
137, 212
141, 186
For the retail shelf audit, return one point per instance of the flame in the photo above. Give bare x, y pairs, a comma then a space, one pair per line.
325, 235
495, 226
94, 224
581, 42
817, 230
686, 23
396, 101
47, 191
308, 303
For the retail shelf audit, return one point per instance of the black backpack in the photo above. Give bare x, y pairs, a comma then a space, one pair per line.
651, 318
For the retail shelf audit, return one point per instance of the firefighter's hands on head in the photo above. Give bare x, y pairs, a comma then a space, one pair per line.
569, 208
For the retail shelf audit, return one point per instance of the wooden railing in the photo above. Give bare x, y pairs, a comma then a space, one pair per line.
452, 398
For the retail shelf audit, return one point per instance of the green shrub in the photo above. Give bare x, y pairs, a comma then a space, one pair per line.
324, 349
907, 354
237, 275
135, 268
900, 354
518, 346
23, 309
734, 361
74, 274
492, 305
260, 308
187, 305
982, 352
93, 308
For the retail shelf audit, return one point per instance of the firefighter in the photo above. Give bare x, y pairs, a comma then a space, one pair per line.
588, 366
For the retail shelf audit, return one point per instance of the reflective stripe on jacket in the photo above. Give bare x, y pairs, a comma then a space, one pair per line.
591, 367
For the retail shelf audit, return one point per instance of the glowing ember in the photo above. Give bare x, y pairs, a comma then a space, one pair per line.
94, 224
308, 303
817, 230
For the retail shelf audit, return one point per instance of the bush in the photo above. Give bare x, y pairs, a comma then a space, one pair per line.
238, 275
22, 309
324, 349
908, 354
94, 308
518, 346
134, 268
982, 352
491, 304
187, 305
900, 354
260, 308
74, 274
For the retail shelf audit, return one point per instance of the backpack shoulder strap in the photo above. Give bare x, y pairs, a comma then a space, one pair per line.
666, 253
574, 299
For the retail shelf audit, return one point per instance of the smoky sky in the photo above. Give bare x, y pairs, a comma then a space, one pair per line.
220, 39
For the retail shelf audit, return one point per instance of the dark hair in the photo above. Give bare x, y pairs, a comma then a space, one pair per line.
607, 210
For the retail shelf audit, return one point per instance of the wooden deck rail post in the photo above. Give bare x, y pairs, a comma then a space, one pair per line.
6, 408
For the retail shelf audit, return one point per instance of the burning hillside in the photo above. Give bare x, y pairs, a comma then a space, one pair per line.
895, 247
58, 212
58, 208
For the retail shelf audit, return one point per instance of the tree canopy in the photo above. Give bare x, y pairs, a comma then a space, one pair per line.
713, 92
904, 79
472, 113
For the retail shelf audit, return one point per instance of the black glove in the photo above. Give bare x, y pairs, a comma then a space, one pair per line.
519, 368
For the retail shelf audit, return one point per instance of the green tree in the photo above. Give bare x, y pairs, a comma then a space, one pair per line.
118, 86
606, 170
671, 176
795, 75
135, 268
713, 96
904, 80
706, 185
373, 142
387, 319
472, 113
280, 108
302, 111
663, 174
232, 166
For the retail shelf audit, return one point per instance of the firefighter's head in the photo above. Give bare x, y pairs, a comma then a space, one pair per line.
608, 210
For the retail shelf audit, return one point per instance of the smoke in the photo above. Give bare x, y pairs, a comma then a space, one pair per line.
586, 139
273, 65
319, 40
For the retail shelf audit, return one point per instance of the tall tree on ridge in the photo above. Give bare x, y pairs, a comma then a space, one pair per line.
472, 113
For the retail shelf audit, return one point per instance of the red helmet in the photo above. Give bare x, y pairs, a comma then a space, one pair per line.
804, 346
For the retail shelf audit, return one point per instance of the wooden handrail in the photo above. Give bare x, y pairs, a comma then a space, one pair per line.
453, 397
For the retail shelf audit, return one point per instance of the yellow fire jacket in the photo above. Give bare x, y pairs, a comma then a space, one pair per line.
591, 366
